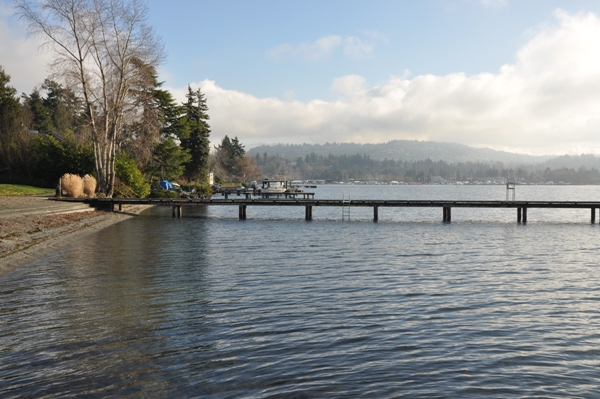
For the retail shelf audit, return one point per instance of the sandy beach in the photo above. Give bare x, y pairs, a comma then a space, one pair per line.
32, 227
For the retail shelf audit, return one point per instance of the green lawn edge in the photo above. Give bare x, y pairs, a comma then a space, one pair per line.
15, 190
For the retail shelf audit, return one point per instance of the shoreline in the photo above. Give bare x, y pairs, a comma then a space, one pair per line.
26, 238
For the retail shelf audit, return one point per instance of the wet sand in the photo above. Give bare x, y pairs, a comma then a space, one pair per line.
30, 228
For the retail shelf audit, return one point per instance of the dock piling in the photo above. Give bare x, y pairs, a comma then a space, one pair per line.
519, 214
593, 215
447, 214
243, 212
524, 214
376, 213
177, 211
308, 213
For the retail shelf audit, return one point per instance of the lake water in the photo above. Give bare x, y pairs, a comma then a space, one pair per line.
208, 306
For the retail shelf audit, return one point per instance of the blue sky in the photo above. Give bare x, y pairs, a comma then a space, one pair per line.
505, 74
231, 41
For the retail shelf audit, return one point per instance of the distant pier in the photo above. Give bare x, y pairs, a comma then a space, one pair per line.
521, 207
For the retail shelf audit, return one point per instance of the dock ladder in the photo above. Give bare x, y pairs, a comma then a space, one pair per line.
345, 207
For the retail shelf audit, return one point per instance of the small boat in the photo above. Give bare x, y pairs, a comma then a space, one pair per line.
277, 187
273, 186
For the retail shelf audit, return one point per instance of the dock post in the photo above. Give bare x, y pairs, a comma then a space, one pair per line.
447, 214
242, 212
179, 211
376, 213
593, 215
308, 213
174, 211
524, 215
120, 207
519, 215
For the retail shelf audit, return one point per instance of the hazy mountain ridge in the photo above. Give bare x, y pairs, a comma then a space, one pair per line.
403, 150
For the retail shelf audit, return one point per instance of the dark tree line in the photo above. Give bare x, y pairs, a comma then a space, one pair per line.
106, 56
46, 133
363, 167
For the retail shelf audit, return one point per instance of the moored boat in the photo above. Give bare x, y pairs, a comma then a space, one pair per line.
277, 187
273, 186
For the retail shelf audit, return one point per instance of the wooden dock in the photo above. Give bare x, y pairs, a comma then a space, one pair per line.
521, 207
250, 194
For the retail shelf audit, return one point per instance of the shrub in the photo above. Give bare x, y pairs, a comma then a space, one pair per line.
72, 184
130, 176
197, 190
89, 185
163, 194
63, 157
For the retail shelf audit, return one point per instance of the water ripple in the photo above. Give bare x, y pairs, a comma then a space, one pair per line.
201, 307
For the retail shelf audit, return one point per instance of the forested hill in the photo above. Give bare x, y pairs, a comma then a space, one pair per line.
400, 150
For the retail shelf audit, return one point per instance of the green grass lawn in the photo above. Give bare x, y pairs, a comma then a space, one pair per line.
7, 190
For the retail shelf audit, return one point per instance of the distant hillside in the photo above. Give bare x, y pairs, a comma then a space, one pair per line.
587, 161
401, 150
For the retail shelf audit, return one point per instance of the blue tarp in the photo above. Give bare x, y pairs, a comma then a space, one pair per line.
165, 185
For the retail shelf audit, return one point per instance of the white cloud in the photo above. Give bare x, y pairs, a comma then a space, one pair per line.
19, 57
355, 47
548, 101
376, 36
350, 86
324, 47
311, 51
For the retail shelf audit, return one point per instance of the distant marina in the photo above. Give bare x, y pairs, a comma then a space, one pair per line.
440, 181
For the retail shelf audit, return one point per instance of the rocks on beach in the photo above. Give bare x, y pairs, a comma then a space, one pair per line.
30, 227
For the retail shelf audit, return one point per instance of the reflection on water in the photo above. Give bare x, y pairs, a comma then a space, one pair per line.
208, 306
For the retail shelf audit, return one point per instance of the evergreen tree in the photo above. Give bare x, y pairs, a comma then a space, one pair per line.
168, 160
63, 106
12, 132
141, 134
237, 148
225, 159
231, 161
195, 131
42, 120
170, 114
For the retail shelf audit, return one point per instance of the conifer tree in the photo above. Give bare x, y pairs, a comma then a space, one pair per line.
11, 126
64, 107
195, 131
42, 121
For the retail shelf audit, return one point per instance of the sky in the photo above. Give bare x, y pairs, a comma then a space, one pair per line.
520, 76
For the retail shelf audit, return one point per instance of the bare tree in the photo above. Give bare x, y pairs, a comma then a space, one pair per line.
101, 47
247, 169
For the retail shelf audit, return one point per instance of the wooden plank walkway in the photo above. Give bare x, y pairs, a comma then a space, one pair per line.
243, 203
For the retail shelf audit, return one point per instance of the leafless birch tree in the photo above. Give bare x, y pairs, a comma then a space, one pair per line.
102, 48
